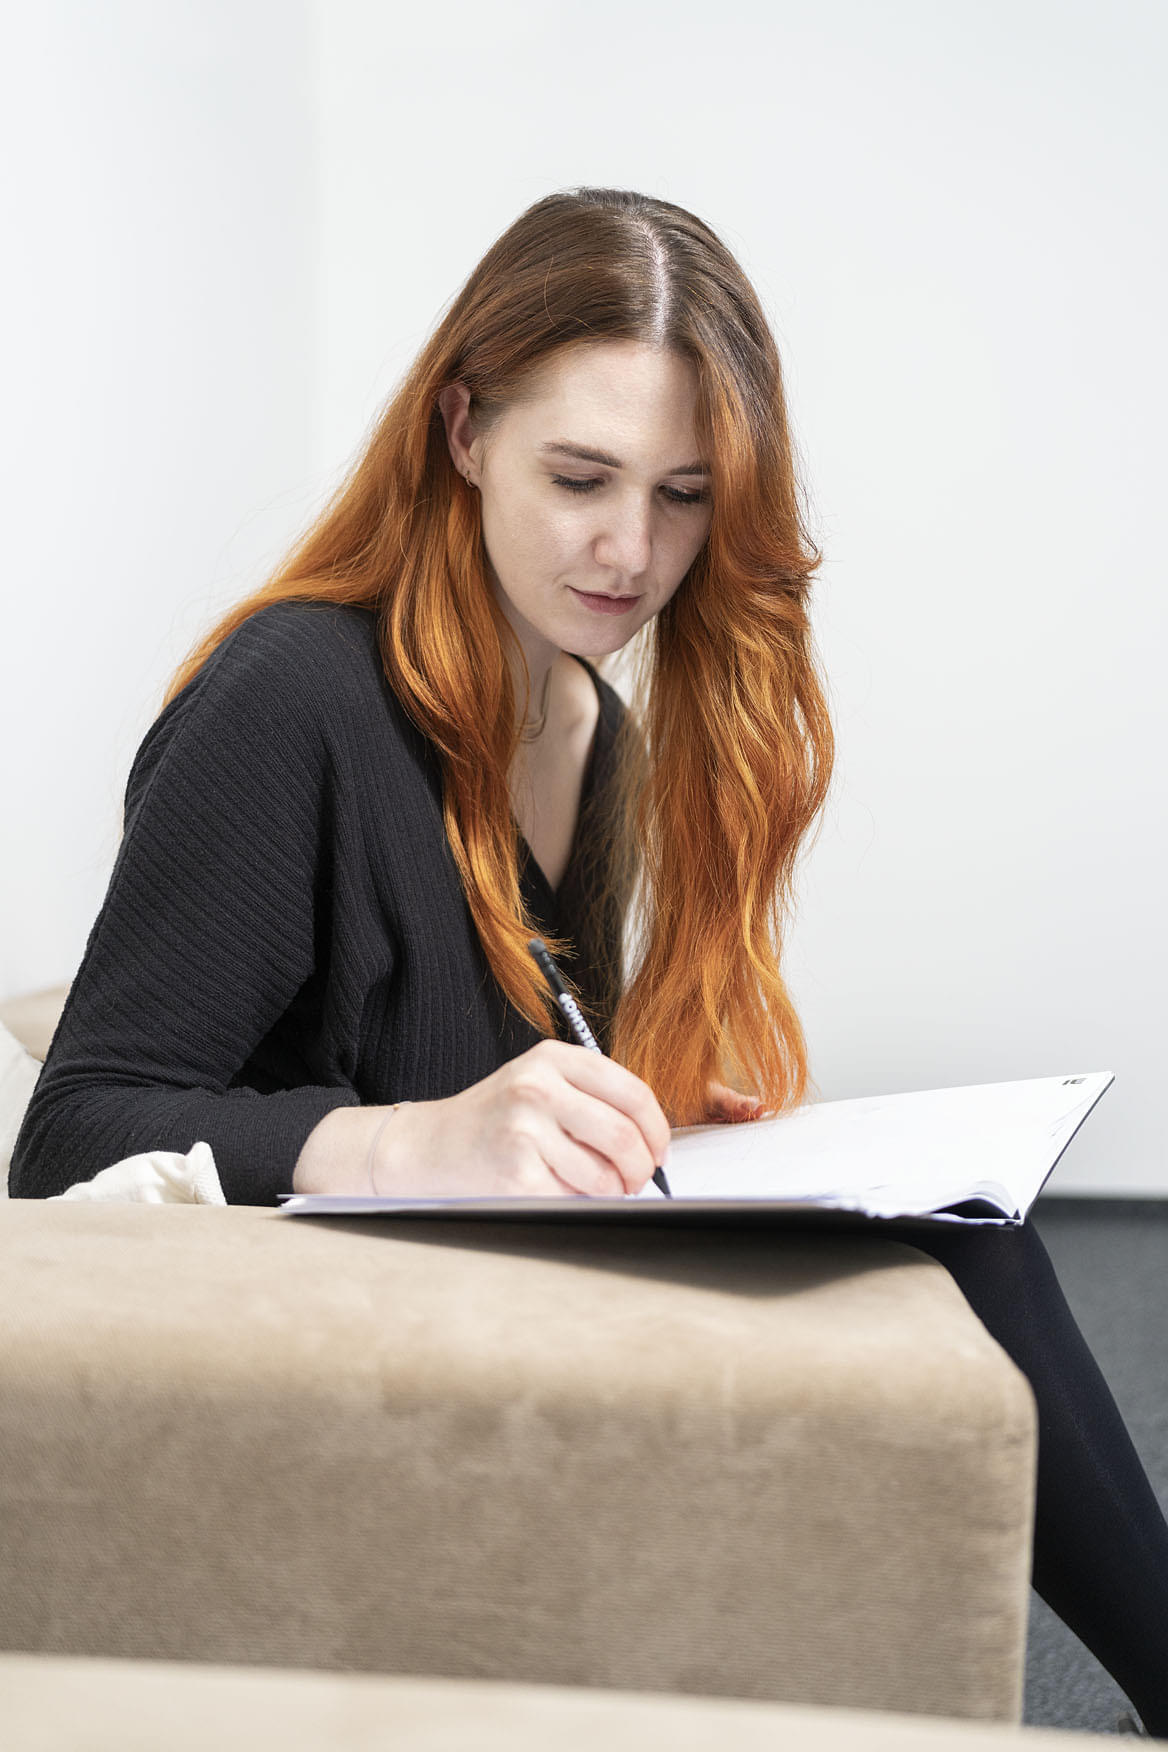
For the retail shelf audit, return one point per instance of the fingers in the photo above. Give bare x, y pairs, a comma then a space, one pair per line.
592, 1146
727, 1104
557, 1188
635, 1122
584, 1171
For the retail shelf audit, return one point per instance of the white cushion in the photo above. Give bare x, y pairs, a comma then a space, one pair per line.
156, 1177
18, 1075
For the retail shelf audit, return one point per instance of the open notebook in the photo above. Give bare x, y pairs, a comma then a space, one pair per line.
980, 1153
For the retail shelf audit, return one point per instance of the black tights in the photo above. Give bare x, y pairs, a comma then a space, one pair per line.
1100, 1539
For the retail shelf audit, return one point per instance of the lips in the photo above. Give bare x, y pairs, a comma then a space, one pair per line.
598, 602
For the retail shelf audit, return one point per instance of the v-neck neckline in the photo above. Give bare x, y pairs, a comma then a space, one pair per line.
529, 859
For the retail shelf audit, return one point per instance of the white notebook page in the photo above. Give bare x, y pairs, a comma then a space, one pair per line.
911, 1152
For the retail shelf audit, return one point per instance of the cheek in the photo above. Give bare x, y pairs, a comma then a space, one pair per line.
532, 524
689, 545
550, 538
512, 534
682, 554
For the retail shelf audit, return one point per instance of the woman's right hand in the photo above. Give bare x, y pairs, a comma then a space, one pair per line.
558, 1121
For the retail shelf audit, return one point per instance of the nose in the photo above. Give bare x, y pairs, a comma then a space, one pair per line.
626, 540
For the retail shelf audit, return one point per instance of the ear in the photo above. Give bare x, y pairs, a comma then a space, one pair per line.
454, 406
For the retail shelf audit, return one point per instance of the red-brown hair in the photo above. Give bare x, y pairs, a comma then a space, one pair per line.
727, 752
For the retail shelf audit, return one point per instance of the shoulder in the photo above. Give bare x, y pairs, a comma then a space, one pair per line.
264, 701
290, 666
301, 641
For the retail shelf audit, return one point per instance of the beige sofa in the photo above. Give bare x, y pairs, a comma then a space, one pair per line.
33, 1017
142, 1706
789, 1467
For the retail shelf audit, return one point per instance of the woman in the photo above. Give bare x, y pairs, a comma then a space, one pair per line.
380, 775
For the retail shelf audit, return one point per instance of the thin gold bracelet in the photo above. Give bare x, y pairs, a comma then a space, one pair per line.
376, 1136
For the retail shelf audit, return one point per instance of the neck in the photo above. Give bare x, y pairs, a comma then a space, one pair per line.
539, 707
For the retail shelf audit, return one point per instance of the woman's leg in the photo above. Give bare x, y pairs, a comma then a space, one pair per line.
1100, 1539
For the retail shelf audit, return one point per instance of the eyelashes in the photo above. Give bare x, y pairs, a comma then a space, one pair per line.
671, 493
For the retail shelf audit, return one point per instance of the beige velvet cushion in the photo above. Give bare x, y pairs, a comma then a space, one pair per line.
33, 1016
18, 1077
786, 1466
138, 1706
27, 1026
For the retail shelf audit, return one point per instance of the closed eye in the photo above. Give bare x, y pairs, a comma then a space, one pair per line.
672, 493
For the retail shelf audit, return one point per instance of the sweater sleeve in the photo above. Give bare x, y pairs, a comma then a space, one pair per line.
205, 936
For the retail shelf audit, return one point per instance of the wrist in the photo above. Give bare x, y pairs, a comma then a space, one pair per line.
333, 1159
371, 1156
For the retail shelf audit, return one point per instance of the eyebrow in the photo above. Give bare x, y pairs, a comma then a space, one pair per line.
564, 447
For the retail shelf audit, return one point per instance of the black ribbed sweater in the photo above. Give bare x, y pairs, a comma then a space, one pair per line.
285, 930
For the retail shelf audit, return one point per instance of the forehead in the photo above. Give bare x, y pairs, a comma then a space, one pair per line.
611, 386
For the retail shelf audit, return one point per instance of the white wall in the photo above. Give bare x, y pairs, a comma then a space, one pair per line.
157, 312
952, 215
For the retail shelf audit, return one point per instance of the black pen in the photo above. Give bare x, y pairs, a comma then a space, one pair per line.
538, 951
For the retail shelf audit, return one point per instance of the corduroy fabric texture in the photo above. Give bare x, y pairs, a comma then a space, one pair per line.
139, 1706
285, 930
754, 1465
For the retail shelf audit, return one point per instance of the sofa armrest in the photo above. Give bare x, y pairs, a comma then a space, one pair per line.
784, 1465
33, 1016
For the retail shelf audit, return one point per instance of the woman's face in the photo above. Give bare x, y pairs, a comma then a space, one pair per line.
562, 530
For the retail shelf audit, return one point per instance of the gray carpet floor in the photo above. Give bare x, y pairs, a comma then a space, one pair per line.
1111, 1256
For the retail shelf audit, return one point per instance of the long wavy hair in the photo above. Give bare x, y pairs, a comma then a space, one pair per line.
726, 752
